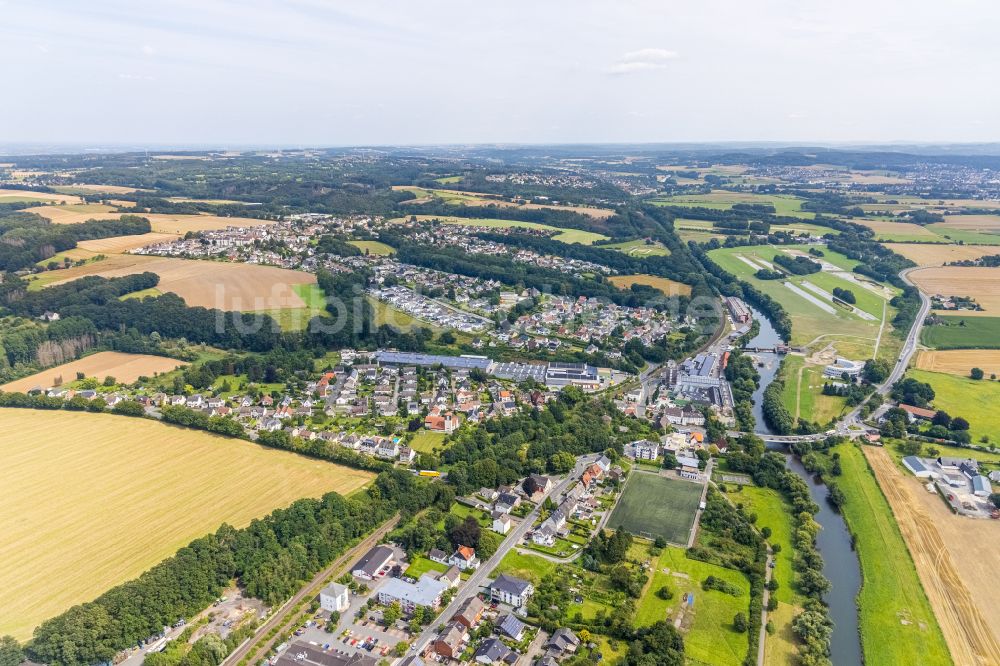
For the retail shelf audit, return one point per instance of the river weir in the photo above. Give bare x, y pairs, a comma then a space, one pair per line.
840, 562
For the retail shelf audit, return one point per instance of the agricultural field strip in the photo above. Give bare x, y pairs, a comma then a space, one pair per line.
969, 635
125, 368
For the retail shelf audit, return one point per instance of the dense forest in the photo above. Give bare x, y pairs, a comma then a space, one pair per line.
26, 238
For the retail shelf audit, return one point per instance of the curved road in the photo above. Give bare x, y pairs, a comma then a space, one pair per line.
898, 370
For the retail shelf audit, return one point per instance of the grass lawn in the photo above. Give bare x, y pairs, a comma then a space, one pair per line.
897, 623
976, 333
802, 394
854, 337
296, 319
462, 510
564, 235
975, 401
424, 441
781, 647
525, 566
373, 247
421, 565
656, 505
773, 511
142, 293
639, 248
967, 236
721, 199
709, 636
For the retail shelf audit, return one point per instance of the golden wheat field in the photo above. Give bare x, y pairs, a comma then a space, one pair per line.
160, 222
210, 284
126, 368
93, 500
119, 244
74, 213
7, 195
981, 283
666, 285
925, 254
960, 361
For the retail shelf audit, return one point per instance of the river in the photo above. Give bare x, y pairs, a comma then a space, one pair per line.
840, 562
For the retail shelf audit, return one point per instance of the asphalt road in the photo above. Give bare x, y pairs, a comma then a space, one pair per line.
478, 578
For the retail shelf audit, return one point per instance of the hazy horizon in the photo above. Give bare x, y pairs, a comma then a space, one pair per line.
306, 73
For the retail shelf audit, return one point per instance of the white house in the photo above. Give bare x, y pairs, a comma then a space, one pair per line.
646, 450
464, 558
501, 522
511, 590
335, 598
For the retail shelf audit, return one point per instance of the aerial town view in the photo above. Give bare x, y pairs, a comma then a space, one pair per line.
402, 334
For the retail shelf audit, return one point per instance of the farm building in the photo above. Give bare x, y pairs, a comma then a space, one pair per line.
981, 486
917, 413
916, 466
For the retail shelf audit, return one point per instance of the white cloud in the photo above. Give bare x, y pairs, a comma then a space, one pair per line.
641, 61
148, 50
135, 77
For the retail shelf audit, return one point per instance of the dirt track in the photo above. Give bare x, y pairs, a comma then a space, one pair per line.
971, 639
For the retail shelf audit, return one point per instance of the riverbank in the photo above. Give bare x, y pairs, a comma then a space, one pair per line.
897, 623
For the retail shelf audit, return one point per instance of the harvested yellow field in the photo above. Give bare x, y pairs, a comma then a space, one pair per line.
209, 284
885, 227
119, 244
181, 224
93, 500
973, 222
99, 189
480, 199
7, 195
935, 255
75, 213
954, 556
960, 361
981, 283
599, 213
126, 368
666, 285
160, 222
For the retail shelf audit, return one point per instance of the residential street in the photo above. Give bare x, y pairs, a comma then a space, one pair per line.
475, 582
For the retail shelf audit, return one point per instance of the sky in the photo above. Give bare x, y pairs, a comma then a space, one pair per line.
380, 72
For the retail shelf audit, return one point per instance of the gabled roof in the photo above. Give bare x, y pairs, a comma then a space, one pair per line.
509, 625
510, 585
